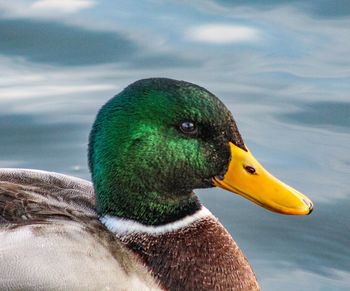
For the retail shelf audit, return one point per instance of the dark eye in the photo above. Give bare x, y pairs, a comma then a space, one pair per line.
188, 127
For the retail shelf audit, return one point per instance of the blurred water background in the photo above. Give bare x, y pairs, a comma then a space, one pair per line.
283, 69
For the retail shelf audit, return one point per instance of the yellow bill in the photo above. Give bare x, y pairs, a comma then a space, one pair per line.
247, 177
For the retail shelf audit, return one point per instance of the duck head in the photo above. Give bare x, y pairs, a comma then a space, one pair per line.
159, 139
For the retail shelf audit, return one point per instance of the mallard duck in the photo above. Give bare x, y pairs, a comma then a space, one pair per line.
139, 226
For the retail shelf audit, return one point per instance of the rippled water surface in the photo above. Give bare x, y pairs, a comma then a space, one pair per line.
288, 91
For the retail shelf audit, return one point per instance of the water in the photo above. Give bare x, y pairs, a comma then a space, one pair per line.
288, 93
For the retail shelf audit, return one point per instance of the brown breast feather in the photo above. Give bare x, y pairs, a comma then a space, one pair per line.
202, 256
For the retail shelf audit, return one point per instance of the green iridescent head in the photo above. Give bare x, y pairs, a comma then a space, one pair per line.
155, 142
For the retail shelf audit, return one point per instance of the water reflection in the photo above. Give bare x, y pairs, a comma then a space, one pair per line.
30, 143
332, 115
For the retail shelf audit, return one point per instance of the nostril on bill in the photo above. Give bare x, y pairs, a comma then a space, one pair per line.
251, 170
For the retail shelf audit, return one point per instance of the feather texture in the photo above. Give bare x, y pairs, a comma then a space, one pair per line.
51, 238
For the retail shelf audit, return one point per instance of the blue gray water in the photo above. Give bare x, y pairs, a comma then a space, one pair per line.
286, 80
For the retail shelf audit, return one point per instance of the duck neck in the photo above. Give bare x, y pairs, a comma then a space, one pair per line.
147, 208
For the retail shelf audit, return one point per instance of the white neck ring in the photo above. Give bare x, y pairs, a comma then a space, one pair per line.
121, 226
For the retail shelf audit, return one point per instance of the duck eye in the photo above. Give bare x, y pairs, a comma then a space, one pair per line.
188, 127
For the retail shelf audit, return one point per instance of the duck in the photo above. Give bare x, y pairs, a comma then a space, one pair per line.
139, 225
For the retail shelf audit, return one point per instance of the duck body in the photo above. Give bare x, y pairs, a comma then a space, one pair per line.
51, 238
